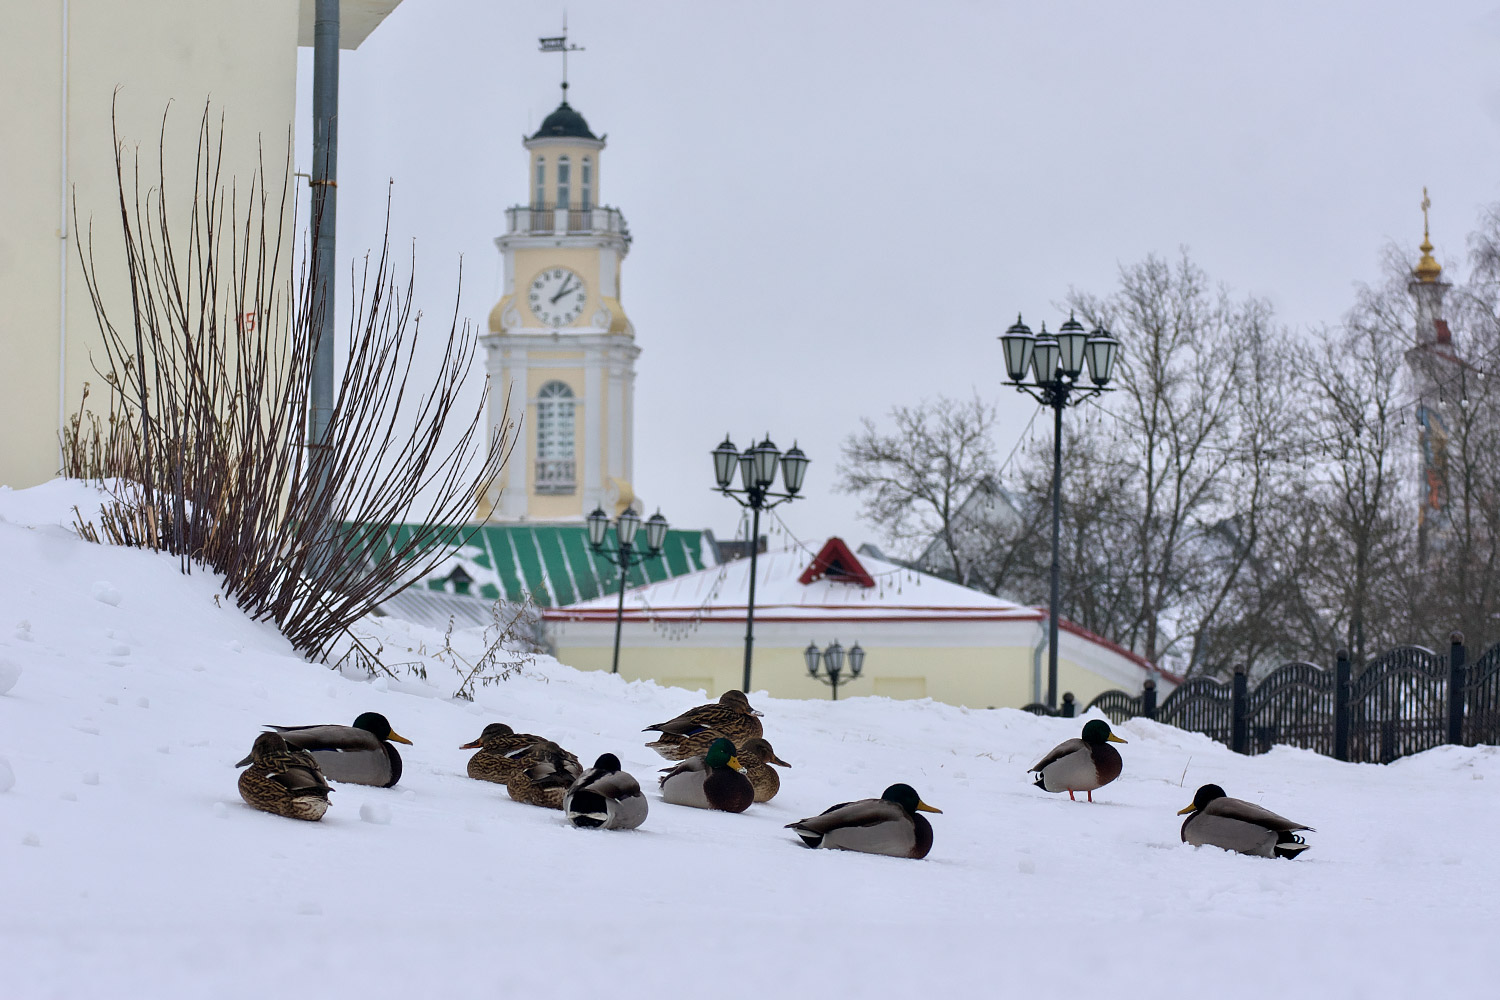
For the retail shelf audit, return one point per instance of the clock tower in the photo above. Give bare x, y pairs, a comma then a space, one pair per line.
559, 345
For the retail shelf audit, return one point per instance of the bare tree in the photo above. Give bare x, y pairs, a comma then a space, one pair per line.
1186, 424
211, 414
913, 479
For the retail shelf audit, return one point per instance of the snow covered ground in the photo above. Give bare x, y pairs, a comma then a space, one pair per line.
130, 867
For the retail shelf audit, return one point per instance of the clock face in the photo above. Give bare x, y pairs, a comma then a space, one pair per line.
556, 296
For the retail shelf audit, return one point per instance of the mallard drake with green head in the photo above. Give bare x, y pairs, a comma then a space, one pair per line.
757, 756
692, 732
546, 771
712, 781
1081, 765
1236, 825
605, 798
887, 825
283, 780
358, 754
500, 749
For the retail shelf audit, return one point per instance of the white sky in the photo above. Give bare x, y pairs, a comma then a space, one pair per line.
837, 207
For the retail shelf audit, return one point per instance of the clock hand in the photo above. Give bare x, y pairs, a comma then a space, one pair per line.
564, 290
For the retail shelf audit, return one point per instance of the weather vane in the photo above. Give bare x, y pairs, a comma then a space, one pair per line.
559, 43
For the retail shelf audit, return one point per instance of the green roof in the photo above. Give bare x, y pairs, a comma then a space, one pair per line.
552, 564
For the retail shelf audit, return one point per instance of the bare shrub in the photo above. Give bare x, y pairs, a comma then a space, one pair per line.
210, 400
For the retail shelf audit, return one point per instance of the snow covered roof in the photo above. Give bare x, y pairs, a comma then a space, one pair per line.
834, 585
791, 585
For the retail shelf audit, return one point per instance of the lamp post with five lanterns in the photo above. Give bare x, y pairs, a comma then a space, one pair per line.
757, 467
1056, 363
625, 554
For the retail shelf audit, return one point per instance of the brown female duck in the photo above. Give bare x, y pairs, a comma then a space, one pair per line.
283, 780
500, 749
546, 772
757, 756
693, 732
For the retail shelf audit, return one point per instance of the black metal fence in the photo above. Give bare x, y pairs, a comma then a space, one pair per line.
1401, 702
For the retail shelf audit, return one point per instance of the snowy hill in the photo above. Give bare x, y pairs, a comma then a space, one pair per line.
130, 867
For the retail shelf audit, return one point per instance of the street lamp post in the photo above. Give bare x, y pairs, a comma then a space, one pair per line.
757, 467
833, 663
1056, 364
625, 554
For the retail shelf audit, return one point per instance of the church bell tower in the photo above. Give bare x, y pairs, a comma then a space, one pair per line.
559, 344
1437, 373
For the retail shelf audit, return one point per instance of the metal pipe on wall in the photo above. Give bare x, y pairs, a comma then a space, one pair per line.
324, 184
62, 251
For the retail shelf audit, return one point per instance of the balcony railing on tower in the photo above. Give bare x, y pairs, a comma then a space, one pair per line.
551, 221
554, 475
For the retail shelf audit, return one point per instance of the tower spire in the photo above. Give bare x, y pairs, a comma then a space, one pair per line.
1427, 270
559, 43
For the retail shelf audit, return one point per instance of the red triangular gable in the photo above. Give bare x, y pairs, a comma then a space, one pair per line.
836, 562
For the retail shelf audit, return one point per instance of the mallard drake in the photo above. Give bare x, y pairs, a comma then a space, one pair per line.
692, 732
757, 756
1236, 825
500, 748
605, 798
358, 754
887, 825
546, 771
712, 781
1081, 765
283, 780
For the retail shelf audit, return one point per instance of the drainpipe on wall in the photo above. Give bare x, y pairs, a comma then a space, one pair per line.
324, 220
62, 252
1036, 660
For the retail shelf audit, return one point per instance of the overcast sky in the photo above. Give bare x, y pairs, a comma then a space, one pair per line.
837, 207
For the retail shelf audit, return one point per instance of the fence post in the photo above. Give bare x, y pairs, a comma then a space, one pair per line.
1148, 699
1341, 675
1069, 706
1456, 671
1239, 729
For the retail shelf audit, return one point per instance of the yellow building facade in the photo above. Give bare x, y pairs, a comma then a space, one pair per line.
560, 351
65, 68
923, 637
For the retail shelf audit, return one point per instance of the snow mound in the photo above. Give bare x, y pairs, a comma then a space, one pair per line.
123, 834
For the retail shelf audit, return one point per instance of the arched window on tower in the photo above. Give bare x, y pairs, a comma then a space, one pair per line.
586, 200
564, 177
539, 192
554, 439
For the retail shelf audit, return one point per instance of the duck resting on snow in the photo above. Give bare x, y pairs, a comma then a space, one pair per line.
283, 780
712, 781
1236, 825
605, 798
500, 751
692, 732
358, 754
887, 825
757, 756
545, 773
1081, 765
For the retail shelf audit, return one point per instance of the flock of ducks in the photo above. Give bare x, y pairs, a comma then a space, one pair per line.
723, 762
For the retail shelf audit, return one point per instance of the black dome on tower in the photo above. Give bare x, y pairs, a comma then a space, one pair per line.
564, 123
